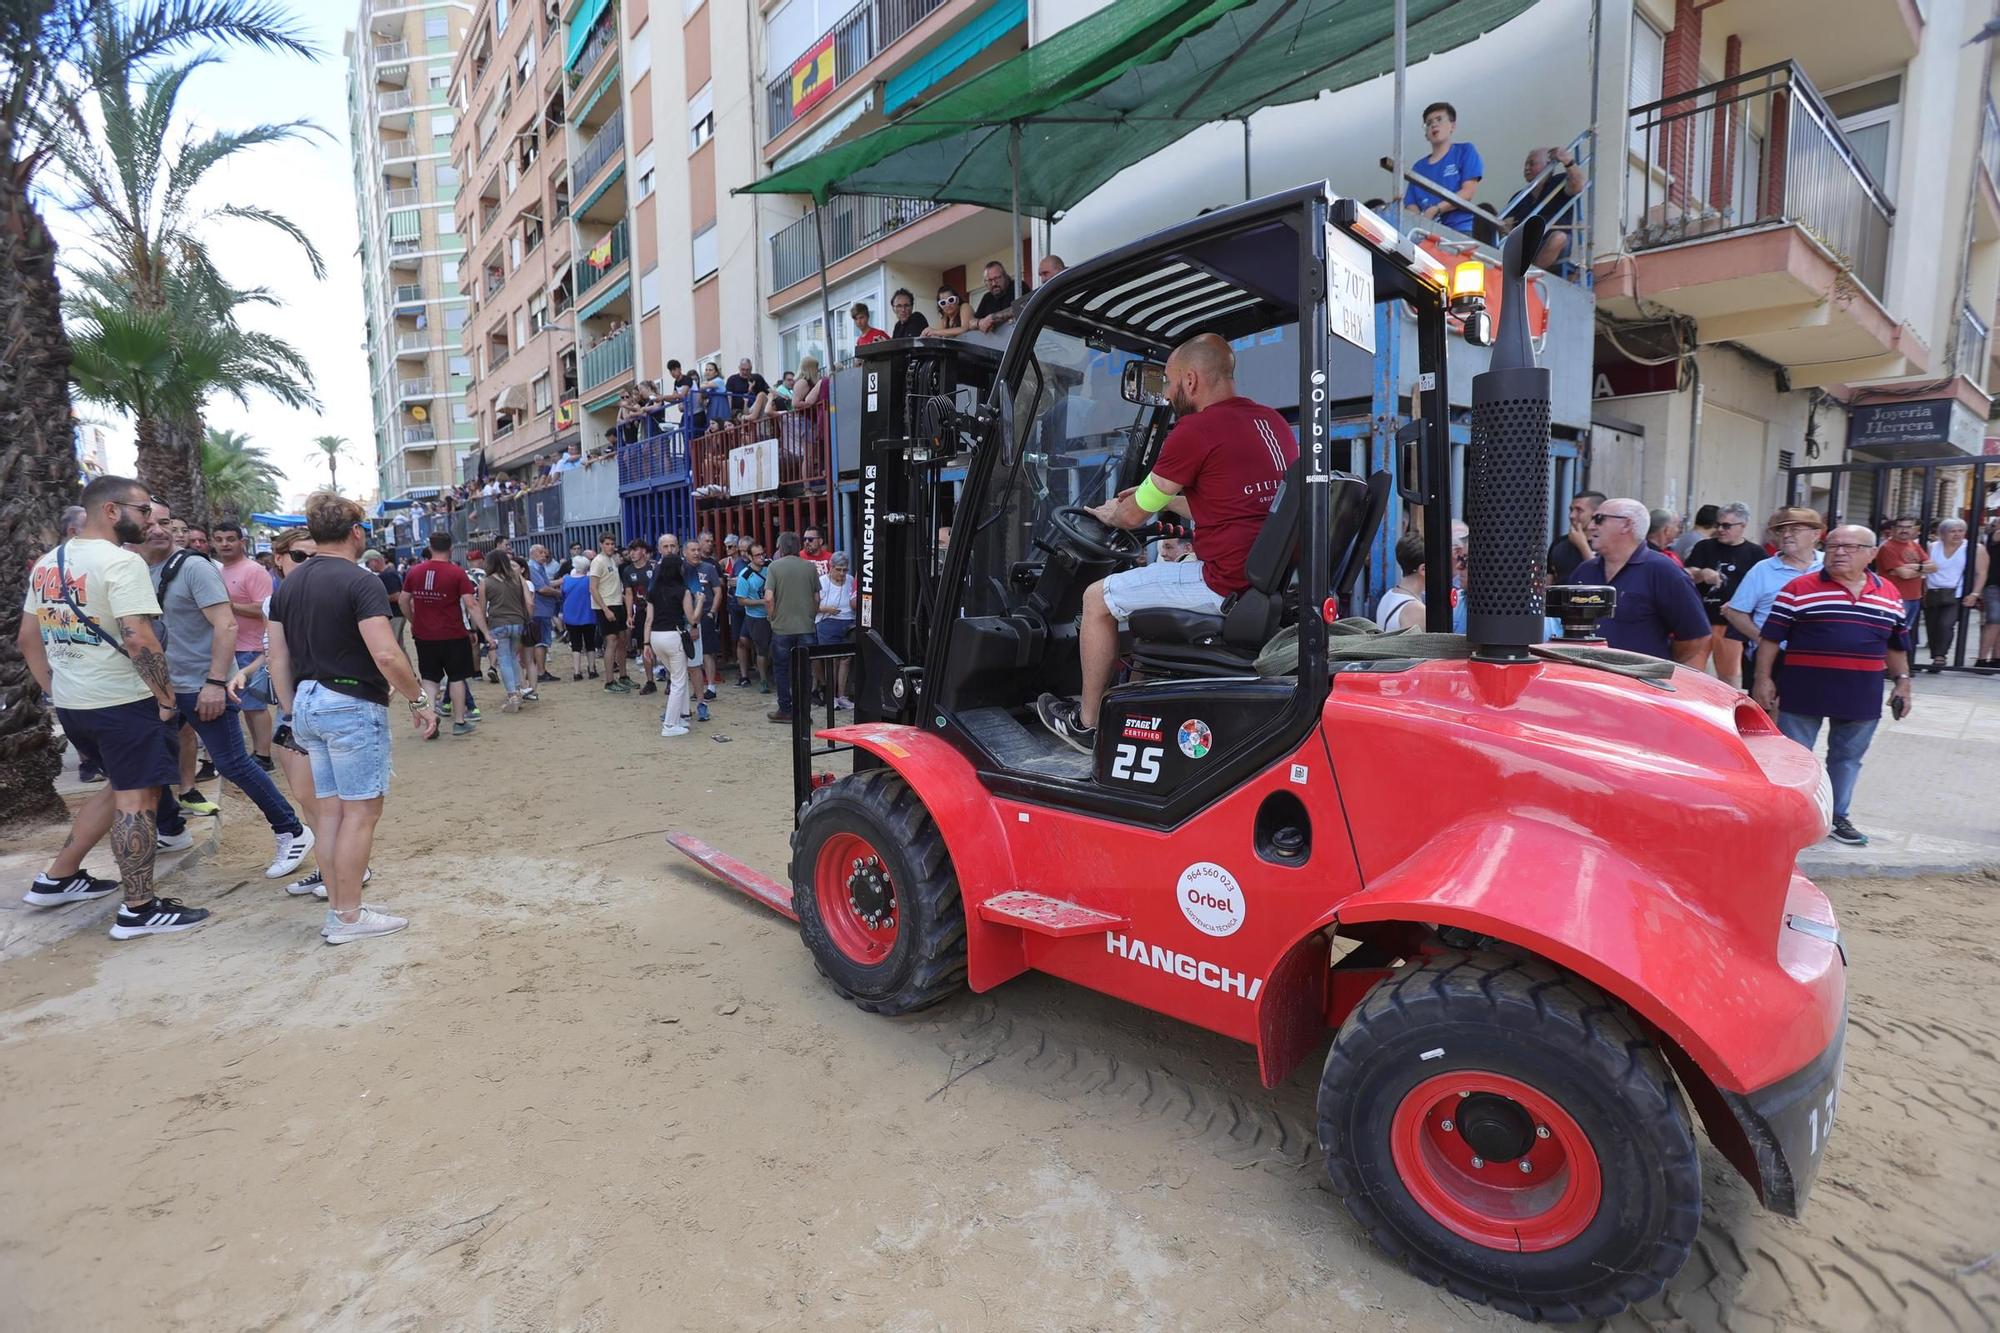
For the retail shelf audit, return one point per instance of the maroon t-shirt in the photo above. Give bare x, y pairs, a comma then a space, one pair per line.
1228, 459
435, 587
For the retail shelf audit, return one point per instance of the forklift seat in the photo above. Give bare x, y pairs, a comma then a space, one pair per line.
1169, 641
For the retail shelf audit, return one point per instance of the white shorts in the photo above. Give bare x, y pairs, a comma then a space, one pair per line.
1170, 583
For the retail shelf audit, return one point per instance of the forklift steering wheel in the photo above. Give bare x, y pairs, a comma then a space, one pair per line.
1088, 533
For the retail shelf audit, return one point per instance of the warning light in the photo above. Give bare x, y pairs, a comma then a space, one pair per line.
1468, 285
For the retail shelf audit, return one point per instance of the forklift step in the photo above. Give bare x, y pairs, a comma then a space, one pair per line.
1048, 916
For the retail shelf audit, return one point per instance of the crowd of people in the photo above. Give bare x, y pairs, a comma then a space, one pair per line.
1810, 621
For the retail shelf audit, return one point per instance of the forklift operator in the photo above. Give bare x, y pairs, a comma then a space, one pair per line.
1220, 466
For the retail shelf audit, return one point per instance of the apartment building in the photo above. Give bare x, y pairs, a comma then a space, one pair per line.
400, 126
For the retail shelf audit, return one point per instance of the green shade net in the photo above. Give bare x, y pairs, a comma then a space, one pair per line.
1119, 86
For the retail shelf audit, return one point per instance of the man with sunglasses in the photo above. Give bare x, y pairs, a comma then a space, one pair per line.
250, 586
1659, 613
87, 636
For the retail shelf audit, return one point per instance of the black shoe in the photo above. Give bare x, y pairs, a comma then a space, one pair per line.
85, 773
1847, 833
265, 762
708, 693
775, 716
593, 673
1937, 666
77, 888
206, 773
1061, 716
162, 916
544, 678
649, 688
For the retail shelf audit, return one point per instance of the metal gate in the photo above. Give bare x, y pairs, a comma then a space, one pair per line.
1930, 490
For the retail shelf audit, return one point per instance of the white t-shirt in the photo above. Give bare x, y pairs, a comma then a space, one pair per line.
1392, 604
839, 596
1950, 572
107, 582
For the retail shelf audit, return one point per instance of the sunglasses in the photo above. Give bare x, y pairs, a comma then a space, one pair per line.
1727, 527
299, 557
947, 300
1596, 519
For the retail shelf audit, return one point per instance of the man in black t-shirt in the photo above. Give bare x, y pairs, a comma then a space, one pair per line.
996, 304
635, 571
749, 392
392, 583
334, 660
1573, 547
1546, 199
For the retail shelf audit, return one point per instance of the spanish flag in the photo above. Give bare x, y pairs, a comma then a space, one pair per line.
599, 255
812, 76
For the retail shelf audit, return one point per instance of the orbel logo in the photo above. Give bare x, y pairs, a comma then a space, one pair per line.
1210, 899
1319, 377
1185, 966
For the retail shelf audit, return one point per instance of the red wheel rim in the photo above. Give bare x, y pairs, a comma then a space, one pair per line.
1526, 1202
856, 898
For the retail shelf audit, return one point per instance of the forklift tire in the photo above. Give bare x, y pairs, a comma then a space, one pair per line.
876, 896
1507, 1132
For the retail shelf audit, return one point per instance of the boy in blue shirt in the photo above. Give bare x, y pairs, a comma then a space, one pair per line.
1451, 166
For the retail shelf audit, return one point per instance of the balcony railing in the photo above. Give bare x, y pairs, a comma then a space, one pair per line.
388, 53
607, 360
590, 273
389, 103
398, 148
853, 222
497, 356
409, 293
861, 35
602, 36
416, 341
1754, 151
405, 249
1970, 360
405, 197
659, 456
1989, 144
609, 139
423, 434
803, 438
415, 388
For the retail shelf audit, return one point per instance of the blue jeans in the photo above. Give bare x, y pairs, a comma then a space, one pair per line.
257, 691
1846, 742
782, 647
347, 740
507, 648
224, 739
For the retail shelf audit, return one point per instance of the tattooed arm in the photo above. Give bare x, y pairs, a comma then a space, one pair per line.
148, 658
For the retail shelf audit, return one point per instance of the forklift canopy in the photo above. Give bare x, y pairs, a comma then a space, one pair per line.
1071, 112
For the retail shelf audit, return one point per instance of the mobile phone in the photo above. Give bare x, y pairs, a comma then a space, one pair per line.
1898, 706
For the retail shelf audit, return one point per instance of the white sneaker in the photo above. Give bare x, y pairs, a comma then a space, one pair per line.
666, 732
369, 924
176, 842
292, 849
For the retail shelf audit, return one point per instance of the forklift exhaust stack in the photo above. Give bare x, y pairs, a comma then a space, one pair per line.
1507, 499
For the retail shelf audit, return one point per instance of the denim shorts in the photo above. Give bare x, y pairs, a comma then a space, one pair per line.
545, 632
831, 630
1170, 583
257, 693
347, 740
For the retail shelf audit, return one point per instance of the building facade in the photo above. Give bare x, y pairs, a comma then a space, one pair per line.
400, 127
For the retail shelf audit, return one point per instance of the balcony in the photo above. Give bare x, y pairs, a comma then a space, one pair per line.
603, 146
406, 197
417, 344
418, 390
409, 298
803, 439
392, 62
853, 222
406, 253
606, 360
600, 258
861, 35
391, 103
1746, 209
497, 355
419, 435
423, 478
602, 37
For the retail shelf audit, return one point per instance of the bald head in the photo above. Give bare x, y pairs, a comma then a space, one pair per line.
1619, 528
1200, 373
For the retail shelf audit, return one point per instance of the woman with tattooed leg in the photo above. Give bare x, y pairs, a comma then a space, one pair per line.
87, 635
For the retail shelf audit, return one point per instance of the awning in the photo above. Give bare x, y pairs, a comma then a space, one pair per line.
1119, 86
580, 24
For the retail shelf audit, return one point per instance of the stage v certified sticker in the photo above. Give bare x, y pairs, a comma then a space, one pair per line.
1210, 899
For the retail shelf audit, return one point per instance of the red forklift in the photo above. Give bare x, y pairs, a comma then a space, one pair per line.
1485, 862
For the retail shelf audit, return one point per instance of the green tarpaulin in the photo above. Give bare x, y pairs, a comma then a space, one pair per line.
1119, 86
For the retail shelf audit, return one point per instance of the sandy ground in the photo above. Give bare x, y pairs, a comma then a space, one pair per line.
590, 1089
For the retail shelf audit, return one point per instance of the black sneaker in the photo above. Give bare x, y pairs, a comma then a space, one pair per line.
206, 773
162, 916
77, 888
85, 773
1847, 833
709, 693
544, 678
265, 762
1061, 716
649, 688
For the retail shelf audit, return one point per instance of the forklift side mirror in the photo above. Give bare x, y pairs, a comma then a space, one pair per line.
1144, 383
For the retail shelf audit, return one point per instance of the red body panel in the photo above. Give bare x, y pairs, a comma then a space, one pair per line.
1641, 838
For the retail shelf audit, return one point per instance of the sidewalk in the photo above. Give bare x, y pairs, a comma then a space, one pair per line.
24, 929
1929, 798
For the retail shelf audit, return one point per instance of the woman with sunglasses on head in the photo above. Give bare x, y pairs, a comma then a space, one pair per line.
952, 319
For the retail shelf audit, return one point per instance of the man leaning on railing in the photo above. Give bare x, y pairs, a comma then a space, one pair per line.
1554, 179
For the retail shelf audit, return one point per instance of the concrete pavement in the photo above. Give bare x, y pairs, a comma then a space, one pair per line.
1929, 796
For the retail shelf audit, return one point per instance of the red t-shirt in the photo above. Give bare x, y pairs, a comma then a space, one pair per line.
1894, 555
1228, 459
871, 334
435, 587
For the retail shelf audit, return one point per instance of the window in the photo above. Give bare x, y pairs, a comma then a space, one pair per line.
639, 55
461, 366
513, 174
539, 394
448, 268
499, 15
443, 122
793, 27
520, 326
1649, 51
642, 171
1871, 120
444, 176
649, 291
436, 27
538, 311
440, 79
701, 117
704, 252
454, 316
524, 64
514, 252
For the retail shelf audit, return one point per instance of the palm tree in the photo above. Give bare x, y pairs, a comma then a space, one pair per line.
239, 477
331, 445
137, 180
47, 69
